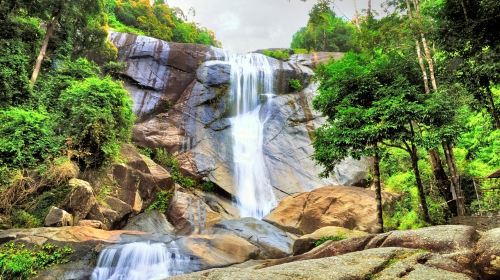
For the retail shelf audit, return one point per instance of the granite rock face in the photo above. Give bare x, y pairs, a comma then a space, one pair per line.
180, 93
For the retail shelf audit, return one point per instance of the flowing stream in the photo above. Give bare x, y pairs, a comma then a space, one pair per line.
251, 88
141, 261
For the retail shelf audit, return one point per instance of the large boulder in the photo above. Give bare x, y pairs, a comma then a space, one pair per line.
217, 250
438, 239
312, 60
348, 207
273, 242
80, 200
381, 263
151, 222
139, 179
188, 213
58, 218
488, 254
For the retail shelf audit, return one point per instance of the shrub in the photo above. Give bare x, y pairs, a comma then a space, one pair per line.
161, 202
23, 219
295, 84
278, 54
28, 138
61, 170
97, 117
19, 262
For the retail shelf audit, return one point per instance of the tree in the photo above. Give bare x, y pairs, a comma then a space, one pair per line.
96, 117
324, 31
372, 101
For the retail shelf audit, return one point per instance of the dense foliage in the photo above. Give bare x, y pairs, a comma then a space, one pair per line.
325, 31
20, 262
424, 112
157, 20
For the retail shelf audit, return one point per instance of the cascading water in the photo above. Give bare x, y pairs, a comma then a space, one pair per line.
251, 82
141, 261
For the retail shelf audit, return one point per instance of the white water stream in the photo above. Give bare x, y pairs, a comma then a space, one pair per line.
251, 88
141, 261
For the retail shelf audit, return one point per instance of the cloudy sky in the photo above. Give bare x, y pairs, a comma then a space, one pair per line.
248, 25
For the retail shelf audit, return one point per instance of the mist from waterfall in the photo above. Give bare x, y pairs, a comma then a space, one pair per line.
140, 261
251, 88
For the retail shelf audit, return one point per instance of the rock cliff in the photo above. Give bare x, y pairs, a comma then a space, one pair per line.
180, 95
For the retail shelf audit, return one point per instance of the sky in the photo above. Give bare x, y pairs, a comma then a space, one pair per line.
249, 25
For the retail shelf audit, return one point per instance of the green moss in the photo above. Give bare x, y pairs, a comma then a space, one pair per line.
163, 158
20, 262
278, 54
328, 238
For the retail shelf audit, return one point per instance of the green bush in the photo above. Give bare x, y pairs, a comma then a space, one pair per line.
97, 117
296, 84
28, 138
20, 262
278, 54
161, 202
23, 219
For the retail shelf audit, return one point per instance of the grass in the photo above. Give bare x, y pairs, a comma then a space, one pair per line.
161, 202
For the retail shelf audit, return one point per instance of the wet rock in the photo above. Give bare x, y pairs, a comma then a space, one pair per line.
151, 222
273, 242
214, 73
348, 207
307, 242
488, 254
188, 213
58, 218
80, 200
121, 208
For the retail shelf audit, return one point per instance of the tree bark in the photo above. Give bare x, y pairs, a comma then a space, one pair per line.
356, 15
369, 8
378, 188
418, 179
43, 50
494, 112
455, 179
442, 182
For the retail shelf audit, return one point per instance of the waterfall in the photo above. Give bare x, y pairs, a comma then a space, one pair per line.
141, 261
252, 84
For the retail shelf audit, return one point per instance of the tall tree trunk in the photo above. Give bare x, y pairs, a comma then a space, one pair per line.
369, 8
442, 182
494, 112
455, 179
356, 15
422, 67
418, 179
378, 189
430, 62
43, 50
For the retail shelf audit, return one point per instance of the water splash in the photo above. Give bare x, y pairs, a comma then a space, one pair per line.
252, 81
141, 261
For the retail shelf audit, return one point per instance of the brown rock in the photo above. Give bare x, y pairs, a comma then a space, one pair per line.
348, 207
188, 213
488, 254
58, 218
218, 250
92, 224
139, 179
80, 200
438, 239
